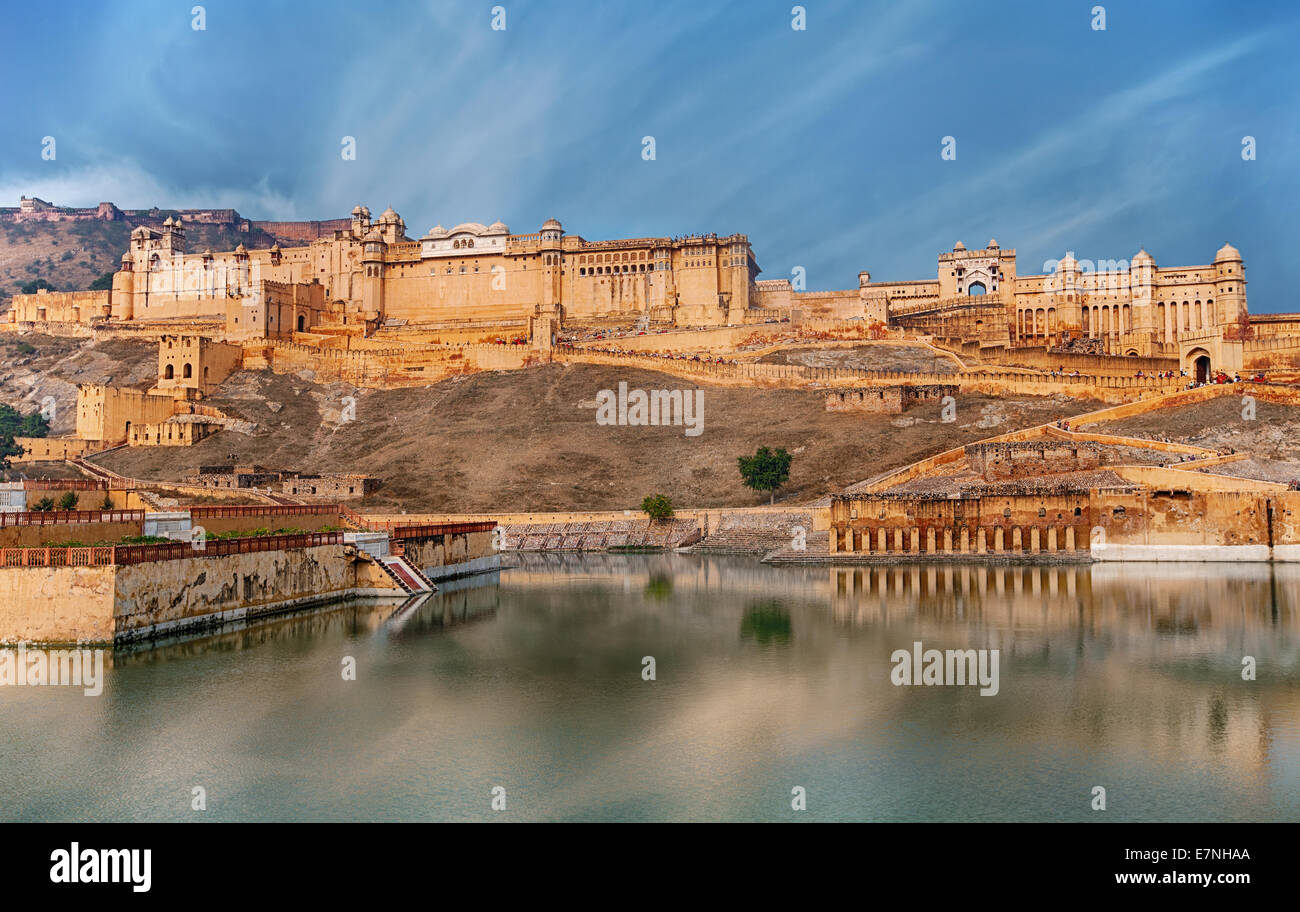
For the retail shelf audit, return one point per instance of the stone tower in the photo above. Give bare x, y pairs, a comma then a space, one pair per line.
372, 276
1229, 287
550, 251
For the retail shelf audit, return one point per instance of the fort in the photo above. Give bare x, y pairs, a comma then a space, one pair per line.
360, 302
34, 209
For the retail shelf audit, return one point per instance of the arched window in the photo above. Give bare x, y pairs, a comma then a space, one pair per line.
169, 373
976, 288
188, 371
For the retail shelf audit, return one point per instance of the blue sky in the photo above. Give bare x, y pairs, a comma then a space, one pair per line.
822, 145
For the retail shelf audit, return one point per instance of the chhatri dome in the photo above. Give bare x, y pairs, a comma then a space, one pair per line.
1227, 252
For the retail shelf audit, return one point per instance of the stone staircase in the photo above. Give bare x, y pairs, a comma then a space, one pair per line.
407, 576
817, 543
754, 533
600, 536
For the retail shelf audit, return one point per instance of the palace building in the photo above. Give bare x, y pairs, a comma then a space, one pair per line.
371, 274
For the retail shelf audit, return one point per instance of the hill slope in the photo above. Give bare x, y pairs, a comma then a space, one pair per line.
528, 439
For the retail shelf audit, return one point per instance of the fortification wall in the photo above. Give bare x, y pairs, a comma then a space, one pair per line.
1020, 459
408, 366
57, 604
173, 595
1039, 358
53, 449
718, 339
1271, 351
443, 555
78, 307
304, 231
1117, 389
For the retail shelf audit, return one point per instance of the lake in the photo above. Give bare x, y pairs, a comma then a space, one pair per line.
766, 680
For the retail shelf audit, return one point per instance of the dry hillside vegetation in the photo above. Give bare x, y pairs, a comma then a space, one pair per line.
516, 440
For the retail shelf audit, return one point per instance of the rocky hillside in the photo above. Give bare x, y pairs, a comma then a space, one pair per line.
34, 366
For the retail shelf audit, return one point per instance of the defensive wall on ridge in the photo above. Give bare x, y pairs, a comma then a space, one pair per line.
411, 365
1116, 389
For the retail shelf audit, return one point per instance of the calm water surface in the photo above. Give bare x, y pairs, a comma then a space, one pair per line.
1128, 677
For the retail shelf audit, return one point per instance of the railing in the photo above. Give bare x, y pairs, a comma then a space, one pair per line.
56, 557
122, 555
140, 554
401, 531
219, 512
353, 516
60, 517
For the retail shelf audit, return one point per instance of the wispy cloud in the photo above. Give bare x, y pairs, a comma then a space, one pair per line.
822, 145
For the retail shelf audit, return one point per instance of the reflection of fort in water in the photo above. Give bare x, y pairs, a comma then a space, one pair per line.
1211, 604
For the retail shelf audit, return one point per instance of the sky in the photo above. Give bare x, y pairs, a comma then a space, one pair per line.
823, 144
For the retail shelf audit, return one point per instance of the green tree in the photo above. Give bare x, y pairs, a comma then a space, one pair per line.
35, 285
69, 501
657, 507
766, 470
107, 504
14, 423
44, 505
103, 283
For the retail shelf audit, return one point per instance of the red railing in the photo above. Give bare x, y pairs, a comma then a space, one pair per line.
141, 554
355, 517
211, 512
399, 531
60, 517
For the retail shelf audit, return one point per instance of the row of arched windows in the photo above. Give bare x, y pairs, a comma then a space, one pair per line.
612, 270
625, 257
